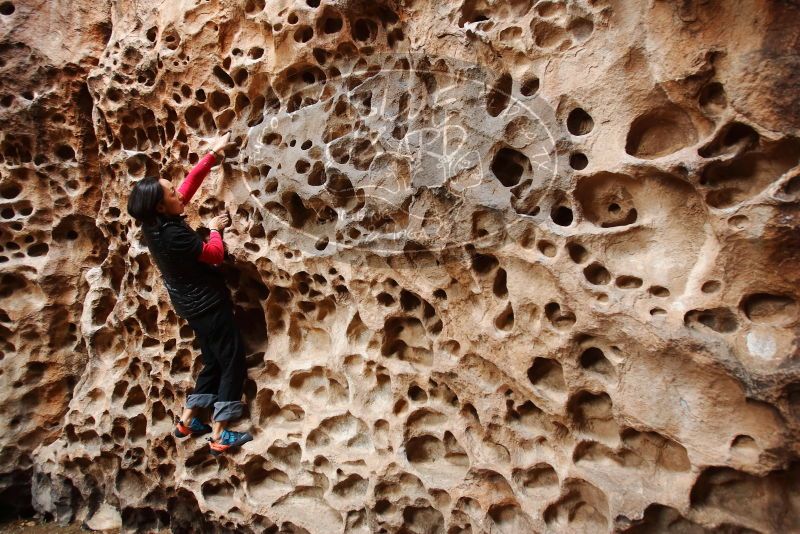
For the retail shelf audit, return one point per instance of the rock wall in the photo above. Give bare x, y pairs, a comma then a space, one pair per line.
502, 266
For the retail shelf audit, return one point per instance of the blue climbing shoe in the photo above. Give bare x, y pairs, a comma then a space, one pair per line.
228, 440
195, 428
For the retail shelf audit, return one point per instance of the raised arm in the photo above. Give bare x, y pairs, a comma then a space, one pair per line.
192, 182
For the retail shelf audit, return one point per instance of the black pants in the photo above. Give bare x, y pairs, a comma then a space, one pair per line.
221, 381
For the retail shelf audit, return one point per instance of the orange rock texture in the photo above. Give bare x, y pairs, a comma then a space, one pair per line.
501, 266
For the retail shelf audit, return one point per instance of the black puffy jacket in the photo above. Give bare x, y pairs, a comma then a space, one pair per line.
193, 286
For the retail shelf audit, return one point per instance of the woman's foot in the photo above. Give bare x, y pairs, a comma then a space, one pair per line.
195, 428
228, 440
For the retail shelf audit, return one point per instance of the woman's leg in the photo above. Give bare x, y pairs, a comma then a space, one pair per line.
205, 389
229, 349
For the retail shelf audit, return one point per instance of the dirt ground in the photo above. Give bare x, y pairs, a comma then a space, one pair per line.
32, 526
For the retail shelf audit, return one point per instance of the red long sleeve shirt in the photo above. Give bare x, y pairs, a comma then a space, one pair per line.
213, 251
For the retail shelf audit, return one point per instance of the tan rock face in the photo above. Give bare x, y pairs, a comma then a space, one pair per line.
501, 266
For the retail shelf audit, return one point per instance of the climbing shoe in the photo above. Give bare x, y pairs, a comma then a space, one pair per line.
195, 428
228, 440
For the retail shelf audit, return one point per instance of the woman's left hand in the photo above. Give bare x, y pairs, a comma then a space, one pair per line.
219, 222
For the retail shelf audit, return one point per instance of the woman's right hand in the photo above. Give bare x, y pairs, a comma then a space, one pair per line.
218, 148
219, 222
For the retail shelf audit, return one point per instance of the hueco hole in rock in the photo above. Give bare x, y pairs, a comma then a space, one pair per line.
413, 266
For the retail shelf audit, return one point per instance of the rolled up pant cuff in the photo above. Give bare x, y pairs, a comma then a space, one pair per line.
228, 410
200, 400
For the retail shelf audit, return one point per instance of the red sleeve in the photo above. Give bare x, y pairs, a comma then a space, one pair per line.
213, 251
195, 177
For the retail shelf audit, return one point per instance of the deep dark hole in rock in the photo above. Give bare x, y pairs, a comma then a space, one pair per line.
561, 215
579, 122
509, 165
578, 161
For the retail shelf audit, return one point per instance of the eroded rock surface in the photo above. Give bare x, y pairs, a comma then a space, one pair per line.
524, 266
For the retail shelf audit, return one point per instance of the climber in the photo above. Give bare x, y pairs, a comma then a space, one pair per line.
199, 295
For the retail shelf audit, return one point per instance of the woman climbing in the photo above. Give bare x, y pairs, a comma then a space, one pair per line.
198, 292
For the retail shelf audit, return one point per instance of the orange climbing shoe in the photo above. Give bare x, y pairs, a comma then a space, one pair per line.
195, 428
228, 440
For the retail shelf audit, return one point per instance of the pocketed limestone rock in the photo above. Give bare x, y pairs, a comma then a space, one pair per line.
500, 266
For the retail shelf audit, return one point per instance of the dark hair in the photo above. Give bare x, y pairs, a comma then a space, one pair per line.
144, 198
